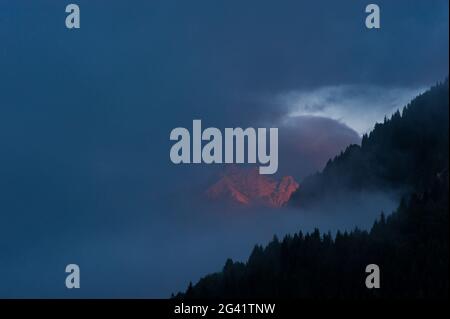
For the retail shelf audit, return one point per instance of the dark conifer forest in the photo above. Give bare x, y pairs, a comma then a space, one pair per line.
408, 152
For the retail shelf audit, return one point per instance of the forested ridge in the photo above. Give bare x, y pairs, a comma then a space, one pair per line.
409, 151
404, 152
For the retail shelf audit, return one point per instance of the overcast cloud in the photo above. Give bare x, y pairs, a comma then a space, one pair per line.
85, 118
357, 106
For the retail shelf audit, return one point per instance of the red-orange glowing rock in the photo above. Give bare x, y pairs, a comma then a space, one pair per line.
248, 187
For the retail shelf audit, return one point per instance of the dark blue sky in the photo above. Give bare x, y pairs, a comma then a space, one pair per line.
85, 117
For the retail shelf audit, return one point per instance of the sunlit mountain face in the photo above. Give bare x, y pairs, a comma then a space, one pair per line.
245, 186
